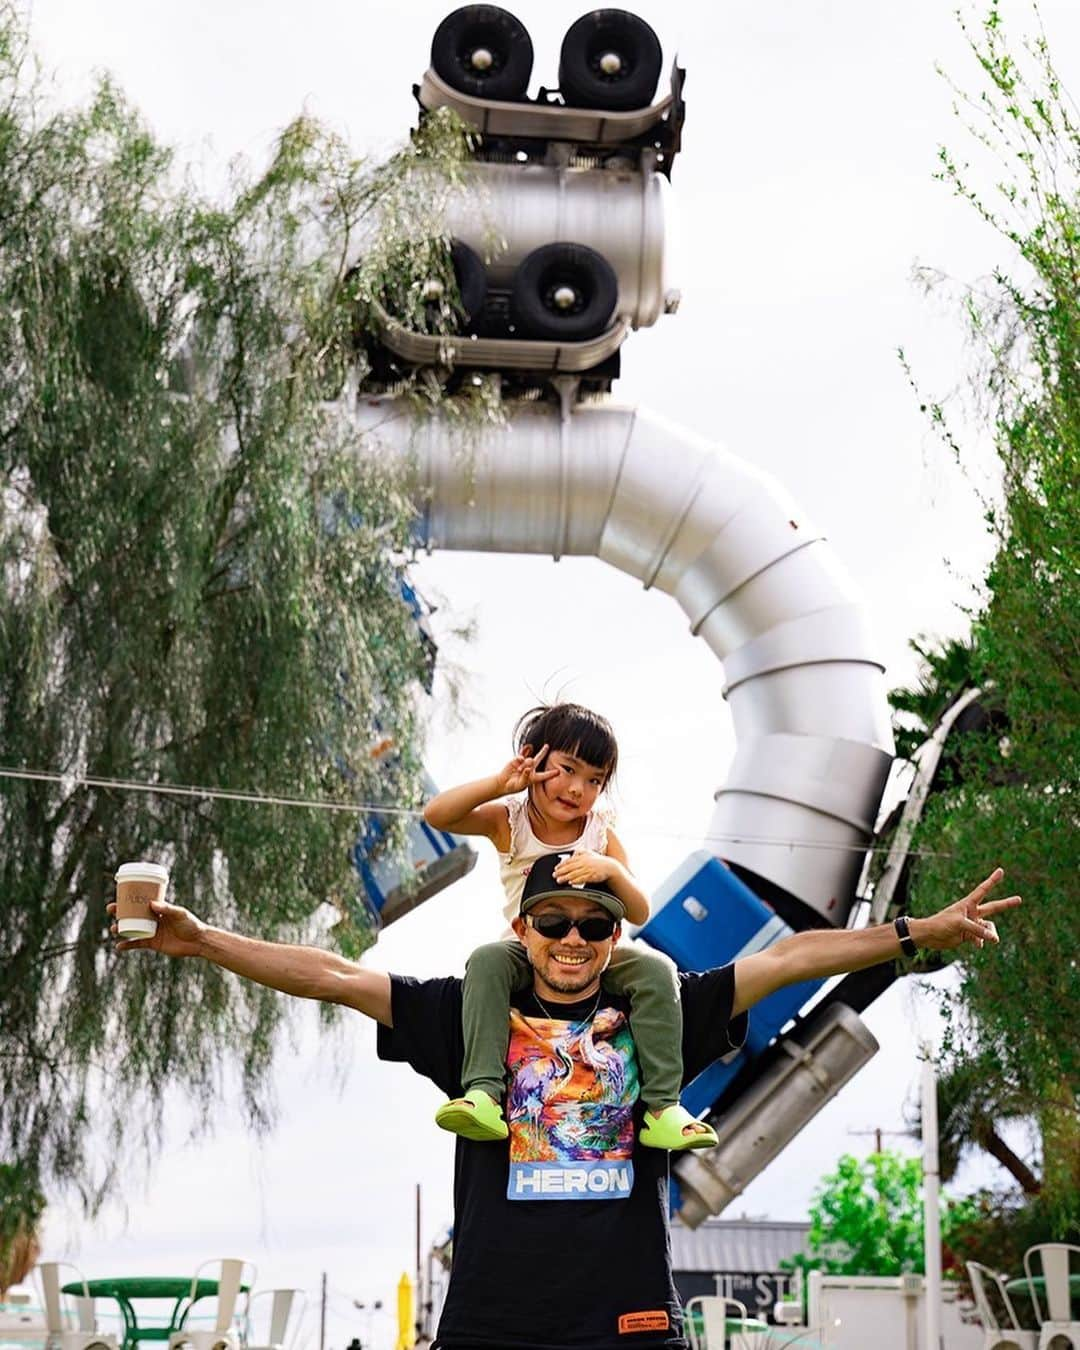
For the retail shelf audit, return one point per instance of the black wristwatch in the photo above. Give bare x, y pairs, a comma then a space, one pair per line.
907, 943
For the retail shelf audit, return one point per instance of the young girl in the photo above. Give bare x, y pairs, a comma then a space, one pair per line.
566, 757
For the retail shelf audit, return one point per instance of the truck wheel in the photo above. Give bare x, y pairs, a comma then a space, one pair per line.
471, 276
609, 59
420, 299
483, 51
564, 292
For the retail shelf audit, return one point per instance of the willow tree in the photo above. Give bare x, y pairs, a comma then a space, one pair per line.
1011, 796
200, 586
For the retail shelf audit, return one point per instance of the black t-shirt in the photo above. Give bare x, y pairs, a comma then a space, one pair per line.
560, 1239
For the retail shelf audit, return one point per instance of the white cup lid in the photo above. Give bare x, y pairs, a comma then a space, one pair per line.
142, 871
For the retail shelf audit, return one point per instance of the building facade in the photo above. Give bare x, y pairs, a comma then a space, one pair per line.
740, 1259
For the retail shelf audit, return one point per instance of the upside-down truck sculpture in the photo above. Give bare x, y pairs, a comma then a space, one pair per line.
573, 185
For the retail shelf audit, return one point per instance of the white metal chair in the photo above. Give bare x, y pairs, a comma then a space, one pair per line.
223, 1335
22, 1318
713, 1334
1001, 1326
281, 1307
1058, 1329
60, 1333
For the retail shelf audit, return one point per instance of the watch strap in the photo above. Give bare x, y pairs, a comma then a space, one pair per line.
907, 942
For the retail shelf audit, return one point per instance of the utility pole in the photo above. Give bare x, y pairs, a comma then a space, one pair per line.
418, 1235
932, 1219
322, 1315
878, 1133
419, 1270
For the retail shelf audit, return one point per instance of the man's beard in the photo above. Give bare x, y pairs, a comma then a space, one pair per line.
564, 983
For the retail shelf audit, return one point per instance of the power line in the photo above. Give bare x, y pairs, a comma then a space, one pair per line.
208, 794
382, 808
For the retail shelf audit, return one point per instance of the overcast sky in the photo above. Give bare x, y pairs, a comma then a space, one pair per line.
806, 196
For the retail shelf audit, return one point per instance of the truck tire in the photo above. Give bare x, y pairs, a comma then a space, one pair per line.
471, 275
484, 51
564, 292
609, 59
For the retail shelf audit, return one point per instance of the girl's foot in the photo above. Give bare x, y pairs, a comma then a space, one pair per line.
473, 1116
675, 1128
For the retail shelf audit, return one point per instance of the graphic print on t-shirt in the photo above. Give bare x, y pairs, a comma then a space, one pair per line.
570, 1107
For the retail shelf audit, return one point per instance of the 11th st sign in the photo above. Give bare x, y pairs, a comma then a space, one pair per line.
758, 1291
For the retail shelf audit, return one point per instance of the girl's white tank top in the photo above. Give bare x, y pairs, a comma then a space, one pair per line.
525, 848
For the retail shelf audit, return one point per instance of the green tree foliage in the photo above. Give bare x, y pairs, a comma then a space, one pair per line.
21, 1208
866, 1218
1012, 794
200, 586
945, 672
999, 1228
973, 1102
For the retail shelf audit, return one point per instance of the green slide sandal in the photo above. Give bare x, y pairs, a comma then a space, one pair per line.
474, 1116
666, 1130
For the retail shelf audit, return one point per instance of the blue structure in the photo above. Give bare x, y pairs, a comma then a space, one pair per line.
436, 859
707, 917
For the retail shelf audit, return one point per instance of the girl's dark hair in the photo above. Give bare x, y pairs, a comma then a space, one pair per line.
572, 729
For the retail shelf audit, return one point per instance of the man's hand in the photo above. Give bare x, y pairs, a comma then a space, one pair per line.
523, 770
178, 931
581, 868
968, 920
815, 954
304, 972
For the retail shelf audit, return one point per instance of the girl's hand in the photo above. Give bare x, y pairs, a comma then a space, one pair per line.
581, 868
523, 770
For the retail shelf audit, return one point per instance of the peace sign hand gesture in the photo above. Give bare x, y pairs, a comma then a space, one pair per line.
523, 770
968, 920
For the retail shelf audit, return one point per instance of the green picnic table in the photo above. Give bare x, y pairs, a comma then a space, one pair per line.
1022, 1285
695, 1324
125, 1289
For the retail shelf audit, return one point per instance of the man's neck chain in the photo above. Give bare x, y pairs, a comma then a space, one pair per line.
551, 1018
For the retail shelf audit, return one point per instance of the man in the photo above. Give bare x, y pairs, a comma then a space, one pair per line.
561, 1240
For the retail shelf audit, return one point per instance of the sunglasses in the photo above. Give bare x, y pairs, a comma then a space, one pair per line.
596, 928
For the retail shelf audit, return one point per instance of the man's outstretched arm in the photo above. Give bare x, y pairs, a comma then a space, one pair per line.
816, 954
304, 972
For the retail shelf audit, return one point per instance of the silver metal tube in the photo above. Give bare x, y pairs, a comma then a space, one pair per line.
818, 1058
756, 579
505, 211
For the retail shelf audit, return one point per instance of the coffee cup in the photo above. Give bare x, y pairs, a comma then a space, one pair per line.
137, 884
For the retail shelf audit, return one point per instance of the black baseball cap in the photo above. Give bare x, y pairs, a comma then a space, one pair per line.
540, 884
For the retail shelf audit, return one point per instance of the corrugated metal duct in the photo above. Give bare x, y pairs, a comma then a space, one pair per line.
755, 577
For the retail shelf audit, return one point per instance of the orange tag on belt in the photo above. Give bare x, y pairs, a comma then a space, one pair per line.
644, 1321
